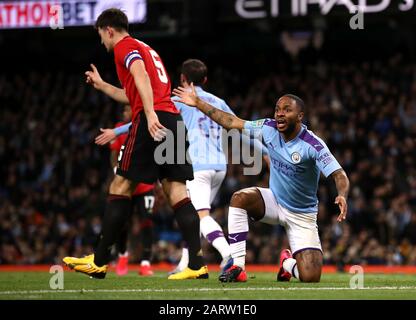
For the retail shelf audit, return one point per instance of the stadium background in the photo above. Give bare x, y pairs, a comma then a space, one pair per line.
359, 87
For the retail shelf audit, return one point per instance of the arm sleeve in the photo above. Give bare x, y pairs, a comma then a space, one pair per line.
325, 161
255, 125
122, 129
126, 53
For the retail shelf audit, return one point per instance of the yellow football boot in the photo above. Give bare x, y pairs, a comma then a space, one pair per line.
87, 266
72, 261
190, 274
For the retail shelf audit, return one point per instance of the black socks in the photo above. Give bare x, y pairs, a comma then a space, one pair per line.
188, 221
115, 219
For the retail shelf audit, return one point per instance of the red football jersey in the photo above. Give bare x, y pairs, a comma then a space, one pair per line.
116, 146
128, 50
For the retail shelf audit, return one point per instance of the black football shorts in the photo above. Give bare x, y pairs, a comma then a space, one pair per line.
141, 159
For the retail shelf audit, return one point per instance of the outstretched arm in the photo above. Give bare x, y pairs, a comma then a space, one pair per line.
343, 185
110, 134
94, 78
224, 119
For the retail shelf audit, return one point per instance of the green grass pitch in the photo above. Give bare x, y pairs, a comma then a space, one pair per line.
260, 285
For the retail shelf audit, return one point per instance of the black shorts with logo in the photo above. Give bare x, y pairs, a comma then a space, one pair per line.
141, 159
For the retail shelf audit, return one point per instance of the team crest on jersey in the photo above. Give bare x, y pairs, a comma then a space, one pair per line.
296, 157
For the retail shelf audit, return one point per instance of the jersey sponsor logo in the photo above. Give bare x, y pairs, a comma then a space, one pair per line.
296, 157
287, 168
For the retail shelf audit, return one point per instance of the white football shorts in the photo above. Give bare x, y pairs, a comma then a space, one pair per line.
203, 189
301, 228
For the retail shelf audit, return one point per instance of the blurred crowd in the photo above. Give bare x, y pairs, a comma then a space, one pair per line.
54, 179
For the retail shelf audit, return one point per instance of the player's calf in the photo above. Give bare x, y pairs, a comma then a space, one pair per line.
309, 264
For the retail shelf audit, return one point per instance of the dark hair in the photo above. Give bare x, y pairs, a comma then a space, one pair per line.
194, 71
113, 18
299, 101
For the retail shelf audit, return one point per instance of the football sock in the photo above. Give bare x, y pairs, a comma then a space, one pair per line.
290, 266
238, 230
115, 217
183, 263
122, 241
188, 222
147, 237
212, 231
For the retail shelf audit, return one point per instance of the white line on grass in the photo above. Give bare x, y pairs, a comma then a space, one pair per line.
200, 290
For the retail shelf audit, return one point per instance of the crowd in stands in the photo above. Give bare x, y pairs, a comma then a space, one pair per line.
54, 179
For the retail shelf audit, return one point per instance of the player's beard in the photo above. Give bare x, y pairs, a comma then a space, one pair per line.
290, 128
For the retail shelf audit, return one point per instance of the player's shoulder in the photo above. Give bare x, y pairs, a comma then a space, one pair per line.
129, 43
311, 140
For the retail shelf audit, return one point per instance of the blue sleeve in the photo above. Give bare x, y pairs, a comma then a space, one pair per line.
254, 125
122, 129
325, 161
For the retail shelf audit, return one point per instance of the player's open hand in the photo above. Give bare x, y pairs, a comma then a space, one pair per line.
94, 78
342, 204
156, 129
105, 137
187, 96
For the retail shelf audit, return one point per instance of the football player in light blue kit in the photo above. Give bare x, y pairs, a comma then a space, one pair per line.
297, 157
208, 159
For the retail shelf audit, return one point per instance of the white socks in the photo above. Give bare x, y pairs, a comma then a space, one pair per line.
183, 263
212, 231
238, 230
290, 266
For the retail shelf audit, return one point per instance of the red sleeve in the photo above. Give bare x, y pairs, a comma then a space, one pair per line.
127, 52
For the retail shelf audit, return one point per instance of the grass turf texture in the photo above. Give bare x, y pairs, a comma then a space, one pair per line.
260, 285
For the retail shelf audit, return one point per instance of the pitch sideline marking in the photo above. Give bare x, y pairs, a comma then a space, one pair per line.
200, 289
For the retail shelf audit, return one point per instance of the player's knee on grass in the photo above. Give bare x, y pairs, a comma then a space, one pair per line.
122, 186
249, 199
309, 264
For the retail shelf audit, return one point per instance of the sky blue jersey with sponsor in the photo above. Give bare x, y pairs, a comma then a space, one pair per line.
295, 165
205, 135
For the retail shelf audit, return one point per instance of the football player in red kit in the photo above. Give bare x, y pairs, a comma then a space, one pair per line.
155, 123
143, 200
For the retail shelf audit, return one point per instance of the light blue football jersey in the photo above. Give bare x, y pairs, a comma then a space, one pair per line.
295, 165
205, 135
